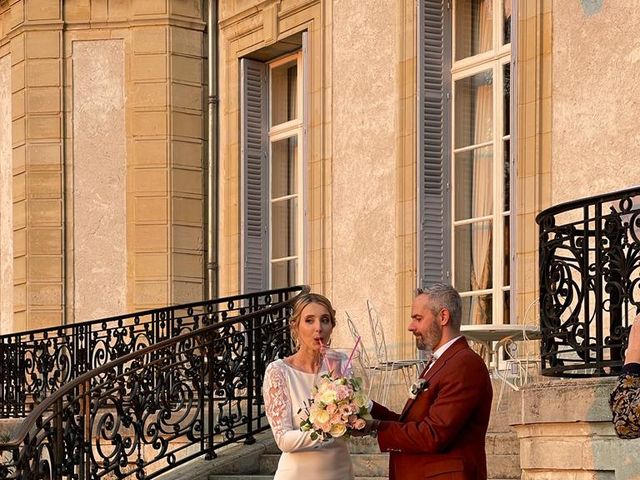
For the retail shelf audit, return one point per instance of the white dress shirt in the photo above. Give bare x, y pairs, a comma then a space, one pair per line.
438, 353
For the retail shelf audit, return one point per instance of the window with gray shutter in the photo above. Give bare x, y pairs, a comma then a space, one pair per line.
254, 149
434, 142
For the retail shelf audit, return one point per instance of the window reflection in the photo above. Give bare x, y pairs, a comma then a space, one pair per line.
284, 160
283, 234
283, 274
284, 79
474, 27
473, 259
506, 29
474, 109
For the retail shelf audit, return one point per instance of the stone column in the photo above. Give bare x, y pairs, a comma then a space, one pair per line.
165, 141
36, 81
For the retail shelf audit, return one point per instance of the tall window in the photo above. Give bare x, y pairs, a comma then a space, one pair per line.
272, 181
480, 158
465, 156
285, 142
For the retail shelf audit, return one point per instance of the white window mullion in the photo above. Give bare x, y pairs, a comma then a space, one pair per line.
498, 197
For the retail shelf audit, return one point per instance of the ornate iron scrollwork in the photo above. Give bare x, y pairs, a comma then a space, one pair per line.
35, 364
589, 283
154, 408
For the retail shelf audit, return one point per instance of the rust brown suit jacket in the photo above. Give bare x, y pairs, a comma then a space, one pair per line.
441, 434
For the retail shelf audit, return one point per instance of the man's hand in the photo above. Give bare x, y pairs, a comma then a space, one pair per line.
371, 426
633, 349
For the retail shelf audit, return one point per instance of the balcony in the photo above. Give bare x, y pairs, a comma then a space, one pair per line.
589, 283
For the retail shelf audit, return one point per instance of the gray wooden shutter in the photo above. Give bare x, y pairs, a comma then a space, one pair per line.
254, 179
434, 127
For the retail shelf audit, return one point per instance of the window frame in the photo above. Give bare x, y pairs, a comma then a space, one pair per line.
496, 59
282, 131
270, 135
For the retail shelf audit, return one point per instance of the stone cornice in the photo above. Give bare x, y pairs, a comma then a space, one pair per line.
248, 21
112, 25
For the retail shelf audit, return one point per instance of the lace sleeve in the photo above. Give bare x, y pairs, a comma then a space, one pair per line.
625, 405
277, 401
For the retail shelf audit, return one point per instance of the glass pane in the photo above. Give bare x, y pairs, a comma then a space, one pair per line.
283, 274
476, 310
507, 176
506, 308
473, 260
474, 109
473, 183
284, 80
283, 228
506, 96
474, 27
506, 22
507, 251
284, 160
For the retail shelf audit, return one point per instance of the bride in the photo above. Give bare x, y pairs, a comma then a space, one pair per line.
287, 386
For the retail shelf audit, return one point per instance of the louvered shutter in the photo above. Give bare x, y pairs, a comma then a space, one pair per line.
435, 142
254, 150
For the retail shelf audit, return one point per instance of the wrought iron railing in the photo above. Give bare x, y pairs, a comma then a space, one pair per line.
36, 363
589, 283
155, 408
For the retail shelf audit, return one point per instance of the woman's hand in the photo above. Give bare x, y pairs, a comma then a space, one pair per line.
633, 349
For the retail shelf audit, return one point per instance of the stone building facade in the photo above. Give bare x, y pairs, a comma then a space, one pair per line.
103, 156
104, 168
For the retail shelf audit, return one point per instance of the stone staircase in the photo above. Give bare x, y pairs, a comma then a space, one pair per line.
259, 461
502, 444
368, 463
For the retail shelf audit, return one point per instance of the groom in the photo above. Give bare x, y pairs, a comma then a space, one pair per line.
441, 432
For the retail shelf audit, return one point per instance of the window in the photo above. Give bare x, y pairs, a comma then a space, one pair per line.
466, 167
273, 165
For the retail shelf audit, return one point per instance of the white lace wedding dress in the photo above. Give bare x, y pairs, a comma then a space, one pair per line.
285, 391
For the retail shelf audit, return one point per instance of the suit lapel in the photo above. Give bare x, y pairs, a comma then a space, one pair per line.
458, 345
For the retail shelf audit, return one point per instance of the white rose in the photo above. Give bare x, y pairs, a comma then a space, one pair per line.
338, 430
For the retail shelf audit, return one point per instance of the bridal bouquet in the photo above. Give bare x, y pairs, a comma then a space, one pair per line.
338, 403
337, 406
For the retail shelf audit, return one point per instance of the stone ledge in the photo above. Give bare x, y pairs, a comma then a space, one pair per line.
564, 400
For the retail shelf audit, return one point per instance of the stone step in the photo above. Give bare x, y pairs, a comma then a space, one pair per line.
355, 445
370, 464
240, 477
363, 445
502, 444
503, 466
270, 477
364, 464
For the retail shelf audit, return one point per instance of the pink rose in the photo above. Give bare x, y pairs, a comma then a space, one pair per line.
359, 424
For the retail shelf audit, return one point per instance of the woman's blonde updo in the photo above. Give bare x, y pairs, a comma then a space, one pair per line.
302, 301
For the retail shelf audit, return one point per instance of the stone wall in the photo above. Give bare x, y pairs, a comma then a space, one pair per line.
596, 64
565, 431
6, 199
99, 179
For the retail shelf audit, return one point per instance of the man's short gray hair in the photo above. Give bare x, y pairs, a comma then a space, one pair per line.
442, 296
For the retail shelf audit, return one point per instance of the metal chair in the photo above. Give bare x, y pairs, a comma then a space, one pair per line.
364, 356
383, 366
517, 364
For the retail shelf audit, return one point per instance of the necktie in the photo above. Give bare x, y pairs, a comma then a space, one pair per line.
429, 361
